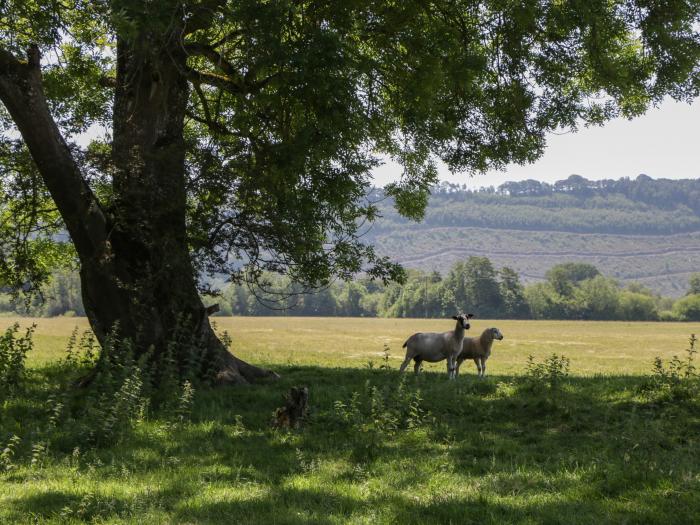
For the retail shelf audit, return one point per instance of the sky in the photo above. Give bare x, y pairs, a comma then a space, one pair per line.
663, 143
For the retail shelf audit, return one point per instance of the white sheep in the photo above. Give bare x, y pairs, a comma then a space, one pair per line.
478, 349
436, 346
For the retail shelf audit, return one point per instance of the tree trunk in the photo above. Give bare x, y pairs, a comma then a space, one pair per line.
136, 272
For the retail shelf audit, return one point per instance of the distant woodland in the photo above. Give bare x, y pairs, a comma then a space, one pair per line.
640, 206
570, 291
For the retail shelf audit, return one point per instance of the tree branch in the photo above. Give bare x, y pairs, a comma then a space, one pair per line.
233, 86
203, 100
214, 126
216, 58
229, 36
232, 80
208, 120
218, 81
22, 93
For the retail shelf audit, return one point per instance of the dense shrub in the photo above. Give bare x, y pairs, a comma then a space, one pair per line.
637, 307
687, 308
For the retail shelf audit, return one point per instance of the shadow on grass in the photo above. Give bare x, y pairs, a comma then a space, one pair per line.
490, 451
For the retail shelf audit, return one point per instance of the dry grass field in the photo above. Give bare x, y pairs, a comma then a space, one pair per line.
603, 347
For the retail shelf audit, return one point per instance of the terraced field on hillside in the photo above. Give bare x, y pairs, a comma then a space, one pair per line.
661, 262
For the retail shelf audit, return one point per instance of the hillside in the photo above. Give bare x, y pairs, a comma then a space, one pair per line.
644, 230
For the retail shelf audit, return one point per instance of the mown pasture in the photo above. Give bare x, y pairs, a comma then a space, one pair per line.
604, 444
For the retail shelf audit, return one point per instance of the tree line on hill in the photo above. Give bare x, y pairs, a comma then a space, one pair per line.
641, 206
660, 193
570, 291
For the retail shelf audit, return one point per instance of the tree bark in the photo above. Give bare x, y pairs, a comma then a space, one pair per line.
136, 272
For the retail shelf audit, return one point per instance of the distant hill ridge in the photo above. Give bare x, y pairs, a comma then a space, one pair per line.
643, 229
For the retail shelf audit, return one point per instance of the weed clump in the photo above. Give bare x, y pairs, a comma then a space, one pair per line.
13, 353
377, 413
102, 394
8, 454
546, 375
386, 354
677, 380
385, 358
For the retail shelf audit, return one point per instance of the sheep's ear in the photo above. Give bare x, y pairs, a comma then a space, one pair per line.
455, 318
469, 316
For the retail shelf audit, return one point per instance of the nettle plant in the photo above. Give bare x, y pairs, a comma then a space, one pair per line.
675, 380
13, 352
99, 396
549, 373
118, 388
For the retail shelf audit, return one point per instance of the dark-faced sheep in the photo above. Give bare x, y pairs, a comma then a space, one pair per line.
478, 349
436, 346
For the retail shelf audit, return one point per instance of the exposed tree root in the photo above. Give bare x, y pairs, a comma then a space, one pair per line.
235, 371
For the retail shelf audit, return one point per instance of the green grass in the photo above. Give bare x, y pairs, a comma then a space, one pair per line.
498, 450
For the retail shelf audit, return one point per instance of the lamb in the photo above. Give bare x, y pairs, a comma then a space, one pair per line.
478, 349
436, 346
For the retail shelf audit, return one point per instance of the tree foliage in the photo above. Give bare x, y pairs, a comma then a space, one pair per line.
563, 277
694, 284
687, 308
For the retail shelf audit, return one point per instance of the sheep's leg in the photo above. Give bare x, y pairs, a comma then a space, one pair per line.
416, 367
451, 366
405, 363
483, 366
457, 367
478, 366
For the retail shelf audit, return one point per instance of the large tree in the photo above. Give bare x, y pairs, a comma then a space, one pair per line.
240, 135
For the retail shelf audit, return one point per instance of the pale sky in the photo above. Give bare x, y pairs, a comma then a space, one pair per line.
663, 143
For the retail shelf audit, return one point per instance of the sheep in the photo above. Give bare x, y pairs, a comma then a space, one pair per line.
478, 349
436, 346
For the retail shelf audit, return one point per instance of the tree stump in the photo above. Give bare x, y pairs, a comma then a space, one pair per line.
294, 411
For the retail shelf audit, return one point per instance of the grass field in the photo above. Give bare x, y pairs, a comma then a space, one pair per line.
602, 347
598, 448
